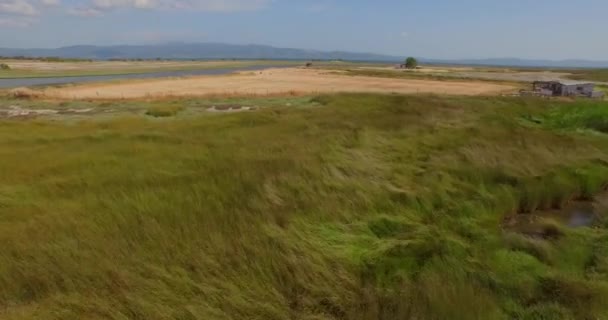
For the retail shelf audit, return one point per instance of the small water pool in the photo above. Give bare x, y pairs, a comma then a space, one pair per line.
576, 214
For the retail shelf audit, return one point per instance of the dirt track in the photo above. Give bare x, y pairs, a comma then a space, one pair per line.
272, 81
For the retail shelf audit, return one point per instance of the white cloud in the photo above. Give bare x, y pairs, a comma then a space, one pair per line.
17, 7
319, 7
140, 4
220, 5
51, 3
12, 10
23, 13
161, 36
84, 12
96, 7
15, 22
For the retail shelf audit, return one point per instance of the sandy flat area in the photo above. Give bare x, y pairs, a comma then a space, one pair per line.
271, 81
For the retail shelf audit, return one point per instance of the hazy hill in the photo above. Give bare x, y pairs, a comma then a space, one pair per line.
252, 51
193, 51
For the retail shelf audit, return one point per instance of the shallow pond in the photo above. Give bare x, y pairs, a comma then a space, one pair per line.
576, 214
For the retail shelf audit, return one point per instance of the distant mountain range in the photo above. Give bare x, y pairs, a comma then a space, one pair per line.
193, 51
233, 51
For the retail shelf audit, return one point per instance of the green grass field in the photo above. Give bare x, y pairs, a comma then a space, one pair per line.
336, 207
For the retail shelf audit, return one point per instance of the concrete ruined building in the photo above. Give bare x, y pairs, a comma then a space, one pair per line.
565, 88
404, 66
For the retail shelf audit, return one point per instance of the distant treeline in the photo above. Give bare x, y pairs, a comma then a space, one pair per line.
59, 59
154, 59
216, 59
47, 59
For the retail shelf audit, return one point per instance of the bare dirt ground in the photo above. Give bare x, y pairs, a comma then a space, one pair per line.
270, 82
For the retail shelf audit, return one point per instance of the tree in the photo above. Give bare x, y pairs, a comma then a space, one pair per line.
4, 66
411, 63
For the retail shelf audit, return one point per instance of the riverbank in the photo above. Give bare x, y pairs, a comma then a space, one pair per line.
24, 69
76, 80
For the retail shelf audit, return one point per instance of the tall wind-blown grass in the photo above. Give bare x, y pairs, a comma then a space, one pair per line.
361, 207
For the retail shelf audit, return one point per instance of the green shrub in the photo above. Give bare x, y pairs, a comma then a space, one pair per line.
598, 124
580, 296
519, 273
592, 180
598, 262
411, 63
453, 295
583, 115
386, 227
540, 249
546, 311
164, 111
4, 66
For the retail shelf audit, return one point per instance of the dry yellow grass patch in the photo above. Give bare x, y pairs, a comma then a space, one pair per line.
270, 82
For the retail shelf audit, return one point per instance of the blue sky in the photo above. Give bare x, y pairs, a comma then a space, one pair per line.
544, 29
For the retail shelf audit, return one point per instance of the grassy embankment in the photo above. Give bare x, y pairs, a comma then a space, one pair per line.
400, 74
355, 207
600, 75
591, 74
89, 69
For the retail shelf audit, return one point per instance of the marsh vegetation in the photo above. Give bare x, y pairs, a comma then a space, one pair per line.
349, 206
